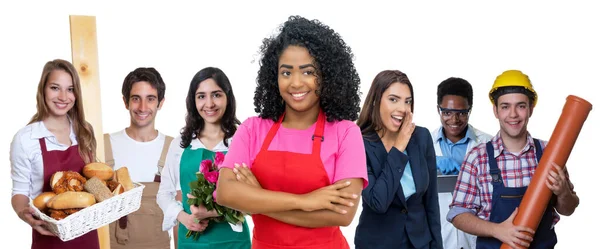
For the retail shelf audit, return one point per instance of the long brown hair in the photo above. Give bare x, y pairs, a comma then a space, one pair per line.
82, 129
369, 120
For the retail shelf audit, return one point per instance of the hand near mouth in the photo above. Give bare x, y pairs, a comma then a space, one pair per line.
406, 130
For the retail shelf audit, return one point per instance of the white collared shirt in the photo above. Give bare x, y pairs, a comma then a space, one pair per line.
27, 165
169, 181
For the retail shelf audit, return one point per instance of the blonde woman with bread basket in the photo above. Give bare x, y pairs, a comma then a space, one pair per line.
56, 139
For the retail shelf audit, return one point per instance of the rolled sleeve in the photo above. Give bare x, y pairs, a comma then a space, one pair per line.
466, 197
169, 184
455, 211
170, 209
20, 168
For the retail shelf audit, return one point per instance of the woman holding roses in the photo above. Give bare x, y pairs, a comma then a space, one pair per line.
210, 124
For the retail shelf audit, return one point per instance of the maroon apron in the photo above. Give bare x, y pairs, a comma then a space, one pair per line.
62, 161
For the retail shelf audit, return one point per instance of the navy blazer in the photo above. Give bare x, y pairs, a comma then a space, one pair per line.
386, 214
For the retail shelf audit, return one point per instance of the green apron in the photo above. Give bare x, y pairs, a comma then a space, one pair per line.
217, 234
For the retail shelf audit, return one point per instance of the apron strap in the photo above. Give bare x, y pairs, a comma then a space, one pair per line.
538, 149
494, 170
319, 134
163, 157
108, 154
271, 134
43, 144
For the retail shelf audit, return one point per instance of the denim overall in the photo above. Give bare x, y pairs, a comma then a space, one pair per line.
504, 202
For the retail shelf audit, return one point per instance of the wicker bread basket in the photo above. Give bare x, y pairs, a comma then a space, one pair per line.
95, 216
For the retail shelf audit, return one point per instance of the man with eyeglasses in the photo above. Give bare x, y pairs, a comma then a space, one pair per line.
452, 140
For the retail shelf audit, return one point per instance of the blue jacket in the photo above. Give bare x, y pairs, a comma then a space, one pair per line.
386, 214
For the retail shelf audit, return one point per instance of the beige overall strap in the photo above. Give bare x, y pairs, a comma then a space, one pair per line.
108, 155
163, 155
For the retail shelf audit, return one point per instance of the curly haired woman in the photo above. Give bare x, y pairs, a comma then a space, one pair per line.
300, 166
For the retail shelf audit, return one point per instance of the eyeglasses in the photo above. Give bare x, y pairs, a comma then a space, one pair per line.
448, 113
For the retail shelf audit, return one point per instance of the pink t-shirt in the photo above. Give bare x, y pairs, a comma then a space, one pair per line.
342, 151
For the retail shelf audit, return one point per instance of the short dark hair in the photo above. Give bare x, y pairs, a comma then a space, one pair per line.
148, 74
194, 124
512, 89
455, 86
336, 75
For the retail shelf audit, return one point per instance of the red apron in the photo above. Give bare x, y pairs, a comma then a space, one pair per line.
62, 161
297, 174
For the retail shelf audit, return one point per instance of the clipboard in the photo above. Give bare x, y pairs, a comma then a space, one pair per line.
446, 183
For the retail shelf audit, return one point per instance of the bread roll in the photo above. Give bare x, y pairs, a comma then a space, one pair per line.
112, 184
122, 175
40, 201
100, 170
62, 181
118, 190
96, 187
55, 177
71, 199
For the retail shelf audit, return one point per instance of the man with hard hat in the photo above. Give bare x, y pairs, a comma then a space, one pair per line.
494, 175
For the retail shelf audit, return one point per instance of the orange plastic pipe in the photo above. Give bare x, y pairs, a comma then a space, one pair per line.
558, 149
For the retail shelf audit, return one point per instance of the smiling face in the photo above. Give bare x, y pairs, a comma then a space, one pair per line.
395, 104
59, 95
513, 111
454, 115
297, 79
211, 101
143, 104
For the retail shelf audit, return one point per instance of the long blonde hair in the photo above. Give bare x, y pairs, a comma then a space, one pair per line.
82, 129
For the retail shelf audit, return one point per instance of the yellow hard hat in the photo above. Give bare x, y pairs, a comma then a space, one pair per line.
513, 78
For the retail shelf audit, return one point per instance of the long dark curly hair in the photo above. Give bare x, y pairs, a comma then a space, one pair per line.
194, 124
336, 75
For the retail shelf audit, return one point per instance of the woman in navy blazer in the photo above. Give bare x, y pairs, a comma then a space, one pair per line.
400, 204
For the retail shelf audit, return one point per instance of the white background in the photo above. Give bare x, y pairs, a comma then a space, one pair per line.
557, 45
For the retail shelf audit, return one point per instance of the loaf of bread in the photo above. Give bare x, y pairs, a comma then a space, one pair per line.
122, 177
40, 201
96, 187
97, 169
71, 200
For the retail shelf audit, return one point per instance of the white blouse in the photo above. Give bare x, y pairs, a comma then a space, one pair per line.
27, 166
169, 181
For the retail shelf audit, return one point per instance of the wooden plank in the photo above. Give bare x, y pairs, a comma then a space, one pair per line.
84, 53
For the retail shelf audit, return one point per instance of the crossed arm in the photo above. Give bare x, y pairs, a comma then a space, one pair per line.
333, 205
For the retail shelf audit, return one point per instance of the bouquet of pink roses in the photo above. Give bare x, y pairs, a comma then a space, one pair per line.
204, 191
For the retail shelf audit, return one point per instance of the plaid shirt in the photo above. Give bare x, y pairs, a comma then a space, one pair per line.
474, 189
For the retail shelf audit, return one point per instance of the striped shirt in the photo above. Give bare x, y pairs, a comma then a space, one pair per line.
473, 191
